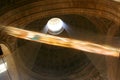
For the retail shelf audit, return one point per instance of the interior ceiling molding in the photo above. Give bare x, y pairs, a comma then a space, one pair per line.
113, 34
39, 9
101, 23
7, 40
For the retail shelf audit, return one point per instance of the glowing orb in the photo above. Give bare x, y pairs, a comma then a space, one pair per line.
55, 25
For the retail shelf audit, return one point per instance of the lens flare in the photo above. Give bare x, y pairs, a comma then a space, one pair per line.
63, 42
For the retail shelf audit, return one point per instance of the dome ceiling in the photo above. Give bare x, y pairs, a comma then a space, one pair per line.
91, 20
51, 62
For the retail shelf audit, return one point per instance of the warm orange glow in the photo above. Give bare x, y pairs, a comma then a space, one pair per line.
63, 42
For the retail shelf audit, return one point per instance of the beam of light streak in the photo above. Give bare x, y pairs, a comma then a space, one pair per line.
63, 42
45, 29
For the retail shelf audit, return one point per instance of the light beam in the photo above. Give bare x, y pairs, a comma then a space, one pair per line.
63, 42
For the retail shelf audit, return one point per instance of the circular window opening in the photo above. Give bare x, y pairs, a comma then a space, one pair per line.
55, 26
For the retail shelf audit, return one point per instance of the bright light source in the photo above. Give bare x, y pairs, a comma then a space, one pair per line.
55, 25
3, 67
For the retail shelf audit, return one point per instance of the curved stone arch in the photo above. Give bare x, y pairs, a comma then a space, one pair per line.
8, 58
36, 16
59, 7
5, 49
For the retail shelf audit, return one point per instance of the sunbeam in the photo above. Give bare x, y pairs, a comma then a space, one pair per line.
63, 42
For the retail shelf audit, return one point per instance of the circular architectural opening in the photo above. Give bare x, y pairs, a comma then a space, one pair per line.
55, 26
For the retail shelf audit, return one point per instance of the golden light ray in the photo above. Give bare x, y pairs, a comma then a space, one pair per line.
63, 42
